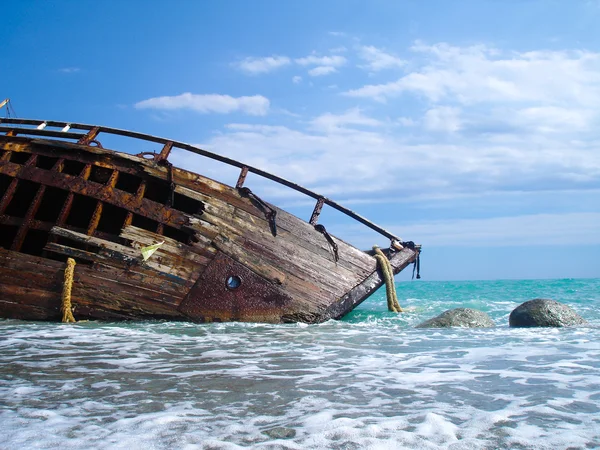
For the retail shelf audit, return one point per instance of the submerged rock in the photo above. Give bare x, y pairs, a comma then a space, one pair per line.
280, 433
459, 317
544, 313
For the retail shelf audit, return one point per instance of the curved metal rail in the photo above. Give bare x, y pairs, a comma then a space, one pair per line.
93, 131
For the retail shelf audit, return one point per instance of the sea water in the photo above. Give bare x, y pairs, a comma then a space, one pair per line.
369, 381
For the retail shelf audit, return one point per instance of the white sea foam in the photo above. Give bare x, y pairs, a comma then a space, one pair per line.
372, 383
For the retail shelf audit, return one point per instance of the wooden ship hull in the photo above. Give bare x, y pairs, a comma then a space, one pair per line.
226, 254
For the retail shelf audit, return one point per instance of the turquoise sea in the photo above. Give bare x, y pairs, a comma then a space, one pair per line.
370, 381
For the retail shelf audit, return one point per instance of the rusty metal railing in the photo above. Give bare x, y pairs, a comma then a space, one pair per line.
92, 132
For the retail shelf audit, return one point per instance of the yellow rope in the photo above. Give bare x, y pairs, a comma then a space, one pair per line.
388, 277
66, 295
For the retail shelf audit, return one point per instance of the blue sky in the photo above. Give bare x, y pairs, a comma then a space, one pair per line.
471, 127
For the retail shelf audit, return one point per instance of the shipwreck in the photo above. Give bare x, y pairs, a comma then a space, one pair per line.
154, 241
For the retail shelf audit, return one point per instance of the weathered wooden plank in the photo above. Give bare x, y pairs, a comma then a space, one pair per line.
298, 285
28, 263
289, 227
15, 308
252, 261
89, 286
34, 279
41, 299
127, 255
170, 248
173, 287
292, 258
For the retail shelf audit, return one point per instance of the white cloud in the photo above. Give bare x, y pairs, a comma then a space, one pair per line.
333, 122
555, 119
481, 121
255, 66
321, 70
407, 122
297, 79
340, 49
255, 105
443, 118
377, 59
480, 74
69, 70
314, 60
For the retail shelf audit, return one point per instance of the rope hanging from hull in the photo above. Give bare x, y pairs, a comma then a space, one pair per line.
388, 276
66, 309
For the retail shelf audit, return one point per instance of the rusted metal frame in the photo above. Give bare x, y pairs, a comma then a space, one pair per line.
66, 209
12, 187
79, 185
164, 153
18, 221
314, 218
139, 195
31, 211
89, 137
242, 178
8, 195
95, 220
222, 159
44, 132
26, 225
6, 155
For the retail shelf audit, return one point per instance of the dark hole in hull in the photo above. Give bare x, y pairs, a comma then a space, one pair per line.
7, 235
34, 242
112, 219
176, 234
100, 174
158, 191
144, 223
4, 183
45, 162
128, 183
73, 167
188, 205
81, 211
19, 157
23, 197
51, 205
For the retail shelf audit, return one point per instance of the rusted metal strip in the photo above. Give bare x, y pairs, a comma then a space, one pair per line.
97, 215
164, 153
79, 185
12, 187
8, 195
138, 200
95, 220
242, 177
33, 208
89, 137
314, 218
66, 209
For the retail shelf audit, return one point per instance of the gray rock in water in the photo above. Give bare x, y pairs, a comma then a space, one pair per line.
544, 313
280, 433
459, 317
